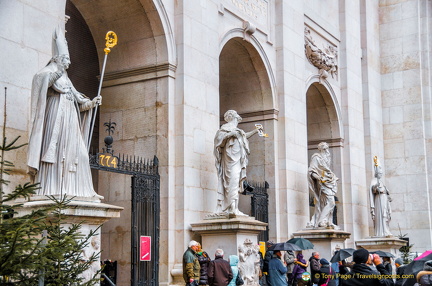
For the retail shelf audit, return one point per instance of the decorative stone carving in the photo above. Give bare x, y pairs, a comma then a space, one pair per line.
248, 30
91, 249
324, 59
323, 184
249, 264
231, 149
57, 153
380, 203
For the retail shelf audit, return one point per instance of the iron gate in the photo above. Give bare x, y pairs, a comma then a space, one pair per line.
145, 209
259, 205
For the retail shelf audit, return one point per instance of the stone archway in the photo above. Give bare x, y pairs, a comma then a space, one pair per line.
135, 96
324, 125
245, 86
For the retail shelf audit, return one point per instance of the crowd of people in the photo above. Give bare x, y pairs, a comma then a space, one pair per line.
283, 268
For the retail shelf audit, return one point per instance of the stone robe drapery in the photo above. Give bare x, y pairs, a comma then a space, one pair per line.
231, 153
379, 200
249, 263
324, 191
57, 144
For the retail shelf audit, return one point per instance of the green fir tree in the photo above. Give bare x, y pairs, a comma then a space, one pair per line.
62, 259
20, 238
405, 250
29, 258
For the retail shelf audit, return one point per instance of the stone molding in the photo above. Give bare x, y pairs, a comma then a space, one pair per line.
139, 74
262, 115
228, 225
77, 211
332, 142
322, 233
381, 242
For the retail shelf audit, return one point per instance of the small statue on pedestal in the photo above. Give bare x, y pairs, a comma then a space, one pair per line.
380, 203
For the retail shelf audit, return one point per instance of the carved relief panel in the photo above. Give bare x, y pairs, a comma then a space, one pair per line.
321, 53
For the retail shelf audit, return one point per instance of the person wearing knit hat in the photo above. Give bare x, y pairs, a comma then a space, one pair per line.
326, 274
424, 278
360, 255
362, 274
268, 256
400, 269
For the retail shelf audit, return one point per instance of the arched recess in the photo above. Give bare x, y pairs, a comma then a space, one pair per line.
135, 96
246, 85
324, 125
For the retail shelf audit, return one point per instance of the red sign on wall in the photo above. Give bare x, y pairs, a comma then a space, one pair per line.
145, 248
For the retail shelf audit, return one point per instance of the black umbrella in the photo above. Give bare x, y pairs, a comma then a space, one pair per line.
342, 254
303, 243
284, 246
413, 268
383, 253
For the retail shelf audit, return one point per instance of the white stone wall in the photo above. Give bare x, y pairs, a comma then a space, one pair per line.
379, 105
25, 28
405, 80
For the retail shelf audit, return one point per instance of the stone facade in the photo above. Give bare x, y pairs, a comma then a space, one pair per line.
179, 65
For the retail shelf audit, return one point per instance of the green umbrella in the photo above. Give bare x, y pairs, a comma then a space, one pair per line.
303, 243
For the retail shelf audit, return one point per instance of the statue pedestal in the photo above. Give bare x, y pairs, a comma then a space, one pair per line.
324, 239
388, 244
89, 214
227, 233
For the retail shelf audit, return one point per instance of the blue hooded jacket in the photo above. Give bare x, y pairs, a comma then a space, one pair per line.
233, 261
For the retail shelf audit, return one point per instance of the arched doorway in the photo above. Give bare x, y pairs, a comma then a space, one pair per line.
135, 91
323, 125
245, 86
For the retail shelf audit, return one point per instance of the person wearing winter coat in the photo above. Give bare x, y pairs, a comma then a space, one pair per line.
289, 258
277, 270
387, 264
267, 257
314, 263
191, 266
219, 271
326, 274
204, 260
298, 270
363, 274
400, 269
233, 261
424, 277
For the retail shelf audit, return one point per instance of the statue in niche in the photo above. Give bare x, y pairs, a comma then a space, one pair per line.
60, 118
323, 184
249, 261
380, 203
231, 149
